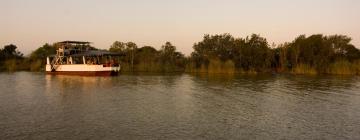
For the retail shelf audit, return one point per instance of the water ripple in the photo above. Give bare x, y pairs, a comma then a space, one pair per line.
179, 106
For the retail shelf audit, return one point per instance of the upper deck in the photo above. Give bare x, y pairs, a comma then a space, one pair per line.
66, 48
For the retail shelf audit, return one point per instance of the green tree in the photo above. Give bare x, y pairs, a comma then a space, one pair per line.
43, 52
147, 59
37, 58
118, 46
10, 52
252, 53
131, 48
170, 59
10, 58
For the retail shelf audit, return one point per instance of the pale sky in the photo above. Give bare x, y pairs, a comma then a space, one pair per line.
31, 23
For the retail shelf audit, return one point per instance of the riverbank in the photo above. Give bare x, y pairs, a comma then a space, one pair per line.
298, 71
315, 54
215, 67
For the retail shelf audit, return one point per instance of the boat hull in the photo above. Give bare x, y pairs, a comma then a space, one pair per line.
83, 70
84, 73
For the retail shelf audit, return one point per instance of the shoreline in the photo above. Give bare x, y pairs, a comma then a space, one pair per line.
206, 73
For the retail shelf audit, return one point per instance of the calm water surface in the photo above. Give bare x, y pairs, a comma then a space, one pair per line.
39, 106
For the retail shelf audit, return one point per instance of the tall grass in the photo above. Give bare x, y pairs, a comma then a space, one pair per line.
37, 65
344, 67
214, 66
147, 67
152, 66
304, 69
339, 67
10, 65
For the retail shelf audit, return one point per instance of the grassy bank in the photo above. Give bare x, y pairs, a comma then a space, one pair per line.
345, 68
214, 67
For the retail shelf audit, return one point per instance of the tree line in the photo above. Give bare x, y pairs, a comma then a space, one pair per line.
316, 54
221, 53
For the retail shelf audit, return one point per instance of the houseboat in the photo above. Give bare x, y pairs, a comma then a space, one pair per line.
79, 58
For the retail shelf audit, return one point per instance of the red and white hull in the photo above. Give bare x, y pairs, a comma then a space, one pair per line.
83, 70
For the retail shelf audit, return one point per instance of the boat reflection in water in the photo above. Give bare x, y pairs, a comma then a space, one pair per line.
80, 81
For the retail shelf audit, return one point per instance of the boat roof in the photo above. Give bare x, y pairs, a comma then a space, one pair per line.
74, 42
97, 53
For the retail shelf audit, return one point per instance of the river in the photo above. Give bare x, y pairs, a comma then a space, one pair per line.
179, 106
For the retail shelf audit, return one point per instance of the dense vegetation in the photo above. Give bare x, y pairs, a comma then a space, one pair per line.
226, 54
10, 58
148, 59
305, 55
316, 54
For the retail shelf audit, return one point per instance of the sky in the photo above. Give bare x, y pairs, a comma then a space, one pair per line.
31, 23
